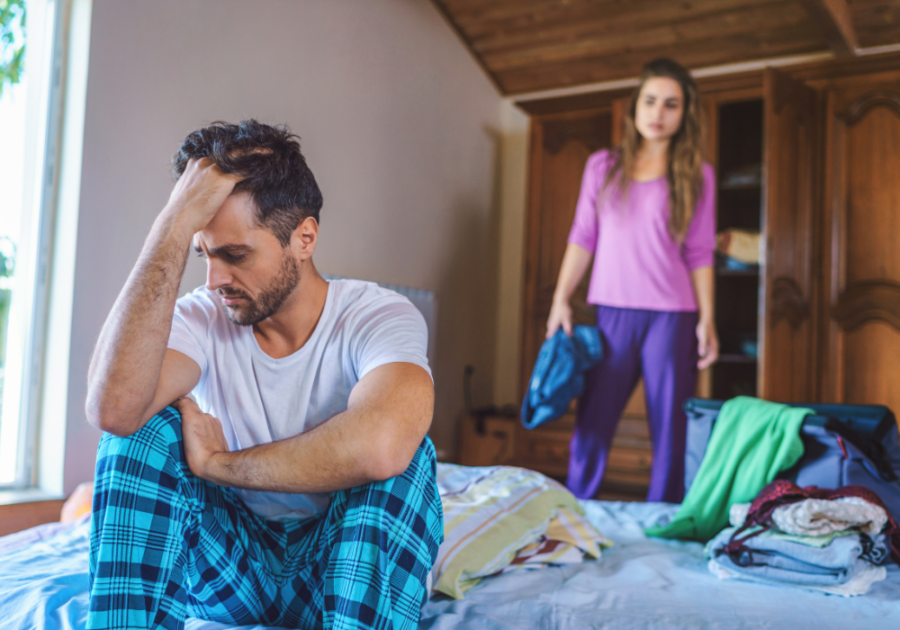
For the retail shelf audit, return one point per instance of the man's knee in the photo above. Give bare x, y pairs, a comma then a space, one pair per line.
157, 440
407, 506
420, 477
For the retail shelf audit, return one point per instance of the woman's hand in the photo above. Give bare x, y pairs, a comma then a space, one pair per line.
560, 316
707, 344
575, 262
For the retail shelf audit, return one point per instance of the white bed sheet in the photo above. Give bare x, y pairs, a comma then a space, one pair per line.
646, 583
638, 584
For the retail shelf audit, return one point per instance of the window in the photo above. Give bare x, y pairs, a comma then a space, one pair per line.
38, 74
14, 227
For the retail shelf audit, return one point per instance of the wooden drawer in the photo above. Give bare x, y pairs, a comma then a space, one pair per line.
630, 459
637, 481
637, 404
543, 450
547, 447
564, 424
628, 466
493, 445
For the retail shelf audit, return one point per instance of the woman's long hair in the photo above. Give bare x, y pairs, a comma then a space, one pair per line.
685, 171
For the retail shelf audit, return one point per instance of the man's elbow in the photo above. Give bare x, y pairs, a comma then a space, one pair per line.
386, 467
391, 459
108, 418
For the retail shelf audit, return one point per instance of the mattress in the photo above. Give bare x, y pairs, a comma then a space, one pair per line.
639, 583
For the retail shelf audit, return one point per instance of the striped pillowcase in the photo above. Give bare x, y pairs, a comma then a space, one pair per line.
492, 514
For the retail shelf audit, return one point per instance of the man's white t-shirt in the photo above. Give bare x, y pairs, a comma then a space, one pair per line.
259, 399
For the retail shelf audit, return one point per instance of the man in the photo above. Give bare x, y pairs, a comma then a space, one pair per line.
299, 489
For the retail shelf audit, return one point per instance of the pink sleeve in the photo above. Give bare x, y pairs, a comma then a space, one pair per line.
700, 240
584, 226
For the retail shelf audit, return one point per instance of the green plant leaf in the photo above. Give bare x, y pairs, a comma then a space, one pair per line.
12, 42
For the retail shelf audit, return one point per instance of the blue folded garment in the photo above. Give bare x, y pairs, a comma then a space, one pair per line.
558, 374
769, 570
780, 560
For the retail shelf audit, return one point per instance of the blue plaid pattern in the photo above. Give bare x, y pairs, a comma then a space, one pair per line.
166, 545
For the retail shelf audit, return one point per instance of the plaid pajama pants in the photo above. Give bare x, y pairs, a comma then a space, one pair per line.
166, 545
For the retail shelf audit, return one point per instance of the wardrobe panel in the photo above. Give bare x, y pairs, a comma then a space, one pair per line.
786, 370
873, 163
876, 347
862, 265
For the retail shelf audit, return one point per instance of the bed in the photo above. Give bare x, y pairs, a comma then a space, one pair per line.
638, 583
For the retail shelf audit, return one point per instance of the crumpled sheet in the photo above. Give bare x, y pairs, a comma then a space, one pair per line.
639, 584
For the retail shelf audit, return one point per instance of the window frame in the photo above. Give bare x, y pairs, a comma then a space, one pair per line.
54, 134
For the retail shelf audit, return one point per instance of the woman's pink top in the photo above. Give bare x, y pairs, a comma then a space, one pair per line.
637, 264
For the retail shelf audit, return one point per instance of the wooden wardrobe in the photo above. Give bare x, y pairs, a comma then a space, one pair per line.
819, 319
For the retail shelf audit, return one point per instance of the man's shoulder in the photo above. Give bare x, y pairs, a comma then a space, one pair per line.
199, 305
358, 303
361, 296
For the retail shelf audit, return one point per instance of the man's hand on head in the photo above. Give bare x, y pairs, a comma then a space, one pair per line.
200, 192
203, 438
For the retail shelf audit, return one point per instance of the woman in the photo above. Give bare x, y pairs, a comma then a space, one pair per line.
646, 214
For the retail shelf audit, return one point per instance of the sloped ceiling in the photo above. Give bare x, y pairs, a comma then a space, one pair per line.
530, 45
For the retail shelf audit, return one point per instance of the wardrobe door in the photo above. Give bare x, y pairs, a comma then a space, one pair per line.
560, 146
862, 263
786, 369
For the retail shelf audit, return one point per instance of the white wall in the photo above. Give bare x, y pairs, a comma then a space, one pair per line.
398, 123
511, 244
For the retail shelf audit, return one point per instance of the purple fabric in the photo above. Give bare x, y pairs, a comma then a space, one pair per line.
637, 264
662, 346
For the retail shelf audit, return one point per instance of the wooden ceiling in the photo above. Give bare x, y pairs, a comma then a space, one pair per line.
529, 45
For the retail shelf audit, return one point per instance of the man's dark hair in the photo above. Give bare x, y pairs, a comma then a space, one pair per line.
275, 173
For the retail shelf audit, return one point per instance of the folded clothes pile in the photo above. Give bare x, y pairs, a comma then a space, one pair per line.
836, 541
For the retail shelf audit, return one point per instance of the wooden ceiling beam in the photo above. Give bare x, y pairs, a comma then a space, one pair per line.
636, 13
708, 52
834, 19
757, 26
877, 22
632, 18
530, 45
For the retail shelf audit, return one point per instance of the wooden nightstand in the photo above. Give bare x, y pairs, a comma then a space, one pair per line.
487, 440
492, 440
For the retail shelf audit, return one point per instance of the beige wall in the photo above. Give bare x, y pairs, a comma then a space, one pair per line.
399, 124
508, 368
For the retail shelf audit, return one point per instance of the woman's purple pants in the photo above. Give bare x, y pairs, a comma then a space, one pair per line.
661, 345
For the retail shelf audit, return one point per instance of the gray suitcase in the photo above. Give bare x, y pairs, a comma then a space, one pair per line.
843, 445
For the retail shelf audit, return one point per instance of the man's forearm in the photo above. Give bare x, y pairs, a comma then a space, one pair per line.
126, 364
388, 414
333, 456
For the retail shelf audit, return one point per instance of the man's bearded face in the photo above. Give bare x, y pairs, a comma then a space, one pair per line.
248, 311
